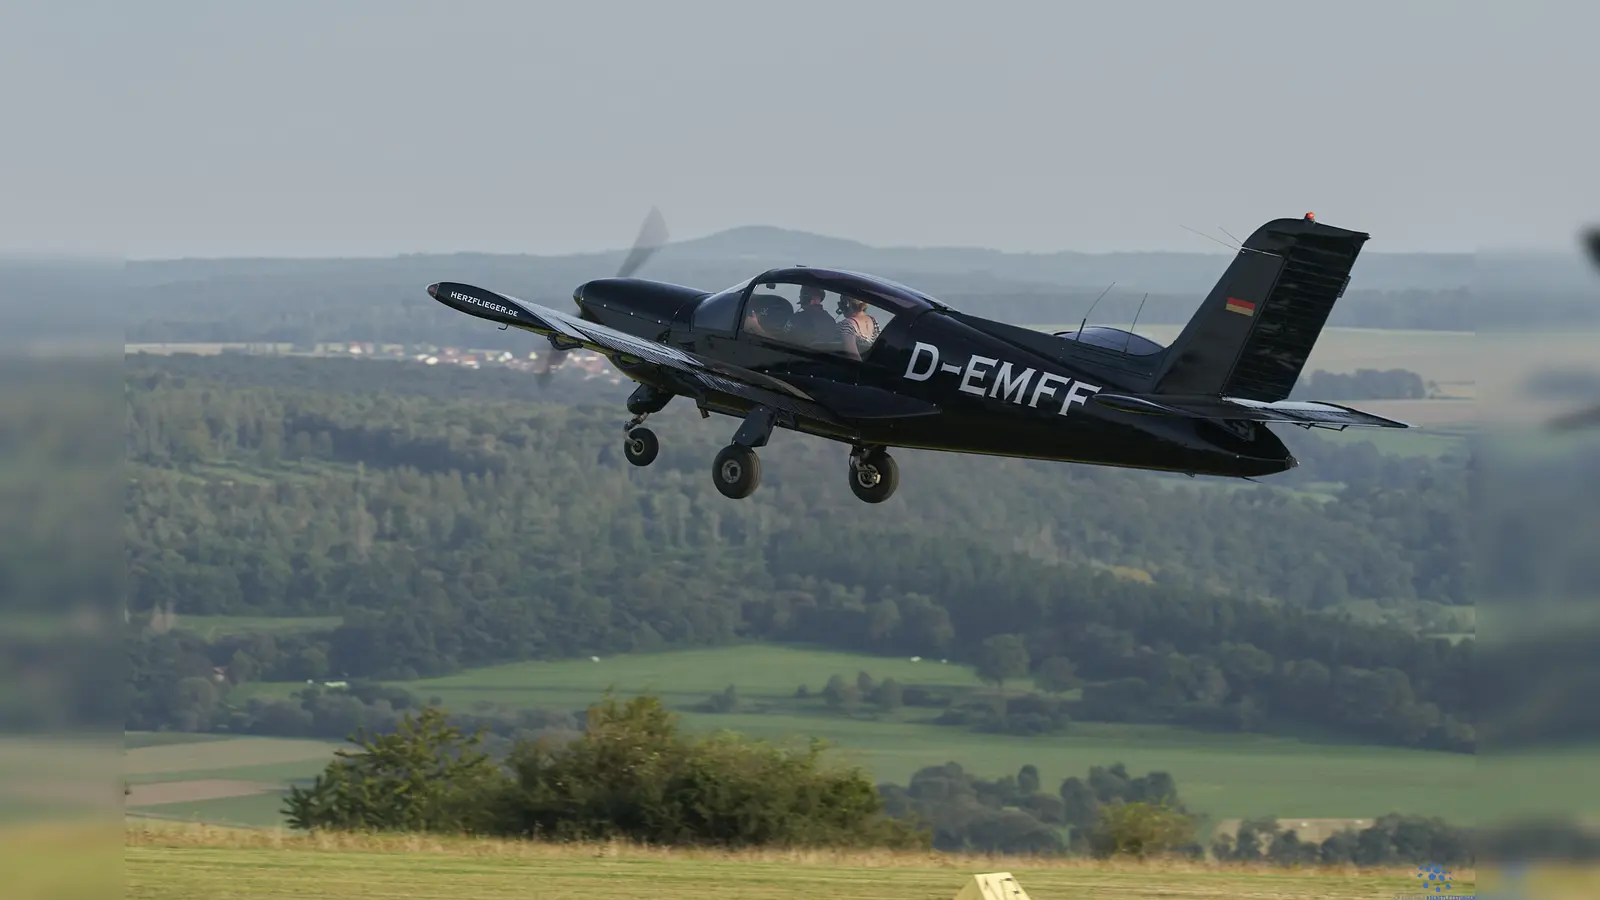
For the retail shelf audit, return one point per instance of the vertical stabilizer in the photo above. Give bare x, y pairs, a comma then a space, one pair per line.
1251, 337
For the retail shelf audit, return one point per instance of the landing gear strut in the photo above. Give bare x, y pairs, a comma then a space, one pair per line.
737, 469
873, 474
641, 445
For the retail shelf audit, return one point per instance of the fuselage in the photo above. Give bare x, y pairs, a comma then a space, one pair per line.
999, 390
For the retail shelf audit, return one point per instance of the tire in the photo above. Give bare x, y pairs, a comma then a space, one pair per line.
887, 473
736, 472
641, 446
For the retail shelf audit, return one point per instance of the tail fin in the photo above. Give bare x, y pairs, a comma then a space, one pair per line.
1254, 332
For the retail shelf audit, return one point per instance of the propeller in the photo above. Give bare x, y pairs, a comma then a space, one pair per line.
1588, 418
652, 237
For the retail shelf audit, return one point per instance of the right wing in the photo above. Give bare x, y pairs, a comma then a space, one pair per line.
692, 374
1305, 413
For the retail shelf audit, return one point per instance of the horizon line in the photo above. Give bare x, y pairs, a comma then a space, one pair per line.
85, 255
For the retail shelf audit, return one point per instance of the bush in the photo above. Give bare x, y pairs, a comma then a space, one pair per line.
1139, 829
630, 775
425, 777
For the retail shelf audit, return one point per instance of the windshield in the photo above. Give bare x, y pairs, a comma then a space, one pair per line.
736, 289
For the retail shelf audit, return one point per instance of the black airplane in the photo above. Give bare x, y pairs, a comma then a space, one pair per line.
889, 366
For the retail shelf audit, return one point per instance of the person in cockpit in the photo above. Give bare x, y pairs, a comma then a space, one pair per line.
767, 315
858, 329
812, 326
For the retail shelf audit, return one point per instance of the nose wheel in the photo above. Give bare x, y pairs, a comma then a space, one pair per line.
873, 476
641, 446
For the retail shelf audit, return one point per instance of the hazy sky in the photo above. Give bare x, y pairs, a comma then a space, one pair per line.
373, 127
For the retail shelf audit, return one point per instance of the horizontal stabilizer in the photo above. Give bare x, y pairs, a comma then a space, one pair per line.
1292, 412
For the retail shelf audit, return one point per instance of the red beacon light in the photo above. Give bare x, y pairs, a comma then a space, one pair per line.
1311, 217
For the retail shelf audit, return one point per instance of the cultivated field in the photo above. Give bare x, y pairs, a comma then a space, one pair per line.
216, 778
183, 862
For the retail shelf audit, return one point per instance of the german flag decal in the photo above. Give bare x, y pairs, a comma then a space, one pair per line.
1241, 306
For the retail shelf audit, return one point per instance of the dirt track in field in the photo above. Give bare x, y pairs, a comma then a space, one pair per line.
196, 790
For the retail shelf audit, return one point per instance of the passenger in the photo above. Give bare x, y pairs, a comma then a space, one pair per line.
858, 329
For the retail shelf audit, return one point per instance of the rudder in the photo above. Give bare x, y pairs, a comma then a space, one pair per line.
1251, 337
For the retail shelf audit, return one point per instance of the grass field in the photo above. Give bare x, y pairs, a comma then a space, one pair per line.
1225, 775
167, 861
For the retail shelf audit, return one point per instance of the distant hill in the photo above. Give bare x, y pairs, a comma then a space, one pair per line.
737, 252
382, 299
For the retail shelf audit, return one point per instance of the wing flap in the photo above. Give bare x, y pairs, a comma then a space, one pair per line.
1292, 412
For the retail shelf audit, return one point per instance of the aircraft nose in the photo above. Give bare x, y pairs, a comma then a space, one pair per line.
630, 303
433, 290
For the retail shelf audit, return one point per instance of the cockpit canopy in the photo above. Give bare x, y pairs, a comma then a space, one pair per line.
720, 311
1113, 339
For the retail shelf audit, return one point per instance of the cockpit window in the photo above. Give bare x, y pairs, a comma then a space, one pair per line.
809, 318
1113, 339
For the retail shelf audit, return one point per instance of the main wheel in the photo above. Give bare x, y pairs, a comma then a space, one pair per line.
737, 471
641, 446
875, 478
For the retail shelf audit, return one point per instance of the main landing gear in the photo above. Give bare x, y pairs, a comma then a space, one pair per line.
737, 469
873, 474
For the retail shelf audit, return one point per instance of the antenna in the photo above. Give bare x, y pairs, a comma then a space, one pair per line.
1096, 302
1230, 236
1135, 324
1233, 246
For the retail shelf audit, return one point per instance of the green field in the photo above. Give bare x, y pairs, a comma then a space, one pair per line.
1222, 774
164, 861
760, 672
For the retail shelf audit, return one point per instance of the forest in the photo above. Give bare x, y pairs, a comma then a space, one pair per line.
501, 525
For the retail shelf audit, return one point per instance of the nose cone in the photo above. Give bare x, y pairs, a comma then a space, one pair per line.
433, 290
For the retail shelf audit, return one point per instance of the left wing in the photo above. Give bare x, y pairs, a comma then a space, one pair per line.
694, 374
1306, 413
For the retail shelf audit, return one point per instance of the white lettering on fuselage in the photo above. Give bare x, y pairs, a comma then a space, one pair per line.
1008, 383
457, 295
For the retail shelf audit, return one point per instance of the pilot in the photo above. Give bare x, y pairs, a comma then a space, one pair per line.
767, 315
812, 324
858, 329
